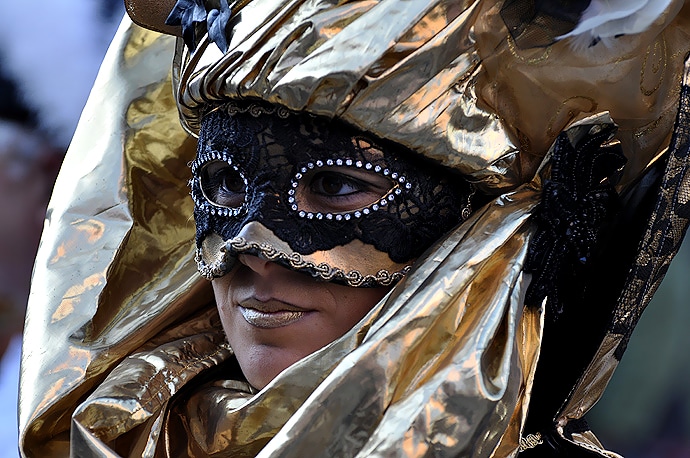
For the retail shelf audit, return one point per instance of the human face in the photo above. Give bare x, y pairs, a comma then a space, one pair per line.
274, 316
315, 195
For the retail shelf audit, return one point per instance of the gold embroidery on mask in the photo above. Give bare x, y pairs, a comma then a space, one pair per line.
530, 441
295, 261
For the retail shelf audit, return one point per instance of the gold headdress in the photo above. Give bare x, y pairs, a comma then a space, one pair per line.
125, 354
438, 78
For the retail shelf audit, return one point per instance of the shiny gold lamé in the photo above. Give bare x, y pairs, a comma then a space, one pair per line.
124, 354
115, 261
445, 79
131, 326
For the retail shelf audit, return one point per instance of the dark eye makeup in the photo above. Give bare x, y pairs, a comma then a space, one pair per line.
222, 184
340, 189
327, 189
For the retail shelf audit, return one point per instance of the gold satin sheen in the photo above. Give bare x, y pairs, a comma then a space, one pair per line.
445, 79
116, 258
119, 320
111, 349
369, 263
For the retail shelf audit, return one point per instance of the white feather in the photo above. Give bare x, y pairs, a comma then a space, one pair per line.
609, 18
53, 50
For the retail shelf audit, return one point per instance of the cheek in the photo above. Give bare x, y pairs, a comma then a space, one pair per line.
352, 304
226, 310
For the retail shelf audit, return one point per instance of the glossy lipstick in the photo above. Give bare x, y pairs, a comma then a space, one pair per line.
269, 315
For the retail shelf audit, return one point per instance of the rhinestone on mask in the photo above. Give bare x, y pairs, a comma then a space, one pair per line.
203, 201
399, 180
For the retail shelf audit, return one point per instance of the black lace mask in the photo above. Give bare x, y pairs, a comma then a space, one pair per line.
315, 195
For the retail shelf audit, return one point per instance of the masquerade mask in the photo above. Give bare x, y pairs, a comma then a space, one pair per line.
314, 195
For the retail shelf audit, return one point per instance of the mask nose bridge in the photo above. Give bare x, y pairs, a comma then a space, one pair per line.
266, 191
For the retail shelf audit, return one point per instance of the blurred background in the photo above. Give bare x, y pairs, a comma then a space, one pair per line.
50, 53
48, 61
645, 411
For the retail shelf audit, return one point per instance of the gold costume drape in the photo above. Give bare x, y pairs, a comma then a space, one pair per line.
123, 352
398, 367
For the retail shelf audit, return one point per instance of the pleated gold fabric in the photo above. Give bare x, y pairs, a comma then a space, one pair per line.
444, 78
430, 369
124, 354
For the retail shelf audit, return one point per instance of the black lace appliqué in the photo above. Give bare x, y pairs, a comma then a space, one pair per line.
576, 200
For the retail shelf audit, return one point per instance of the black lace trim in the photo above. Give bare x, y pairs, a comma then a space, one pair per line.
576, 201
666, 228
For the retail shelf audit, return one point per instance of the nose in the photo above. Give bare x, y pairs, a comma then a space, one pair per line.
258, 265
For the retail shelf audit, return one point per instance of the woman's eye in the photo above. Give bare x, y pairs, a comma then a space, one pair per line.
334, 184
222, 184
230, 182
340, 189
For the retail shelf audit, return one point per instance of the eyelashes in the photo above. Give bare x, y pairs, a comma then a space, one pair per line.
333, 184
327, 190
340, 190
223, 184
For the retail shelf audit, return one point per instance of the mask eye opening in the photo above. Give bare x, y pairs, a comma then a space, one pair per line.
221, 185
382, 194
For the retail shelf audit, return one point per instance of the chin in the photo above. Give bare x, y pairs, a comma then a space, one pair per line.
260, 364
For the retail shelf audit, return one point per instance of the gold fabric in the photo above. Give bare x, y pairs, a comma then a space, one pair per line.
123, 353
106, 352
387, 382
666, 227
115, 265
391, 70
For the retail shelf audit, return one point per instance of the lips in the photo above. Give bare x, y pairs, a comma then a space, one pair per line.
270, 314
